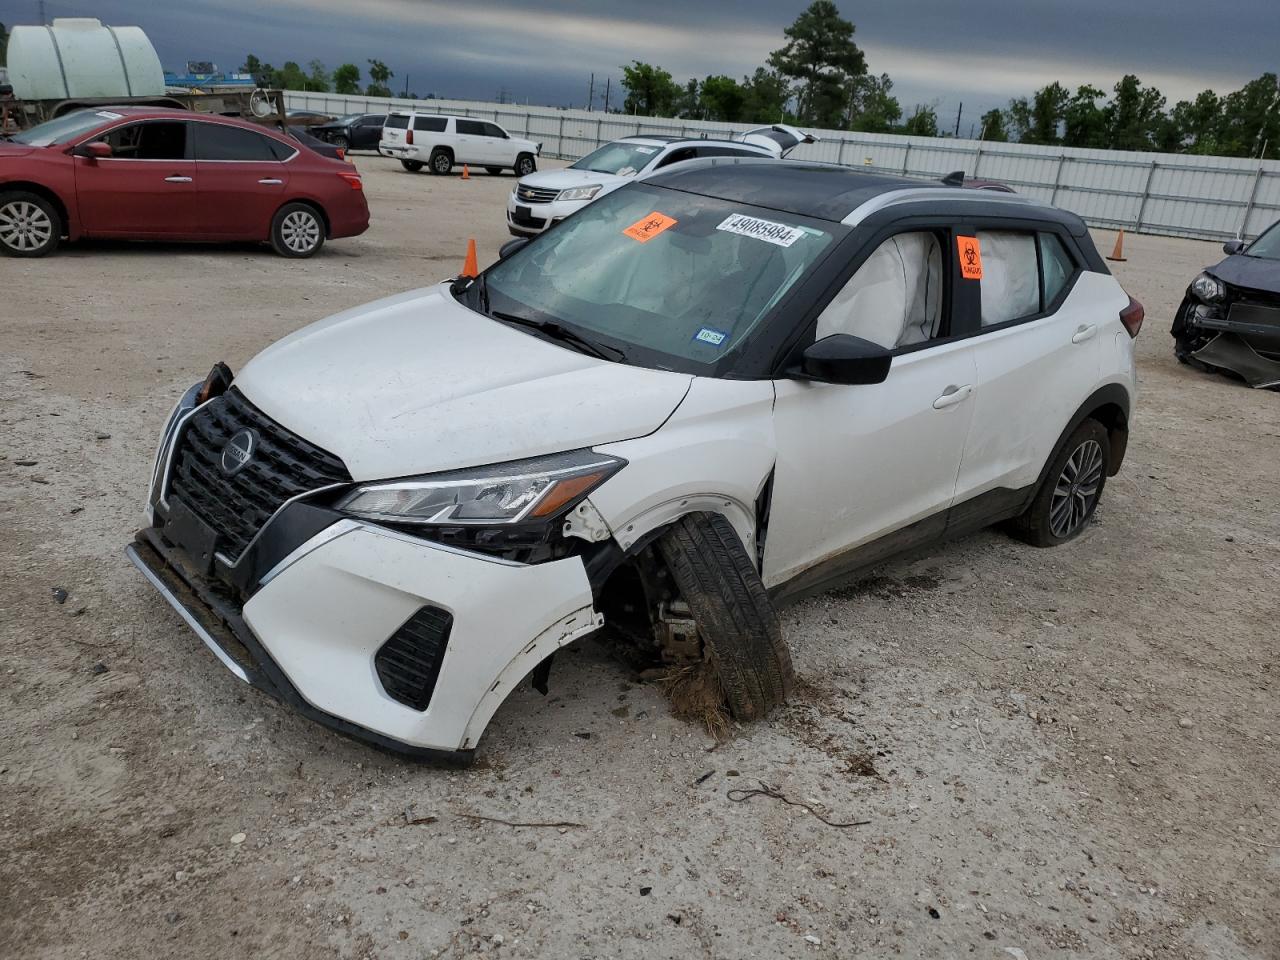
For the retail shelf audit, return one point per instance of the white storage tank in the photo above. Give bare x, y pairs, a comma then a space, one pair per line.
79, 57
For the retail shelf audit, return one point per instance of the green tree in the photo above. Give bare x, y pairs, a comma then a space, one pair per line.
1048, 106
346, 79
821, 56
687, 104
290, 77
650, 90
1250, 123
923, 123
764, 96
723, 99
1193, 125
993, 126
1084, 122
318, 78
872, 107
379, 79
1133, 115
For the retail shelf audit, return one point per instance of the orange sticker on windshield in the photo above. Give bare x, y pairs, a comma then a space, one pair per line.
970, 257
645, 229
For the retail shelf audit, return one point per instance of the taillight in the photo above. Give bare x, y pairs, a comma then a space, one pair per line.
408, 137
353, 180
1132, 317
342, 154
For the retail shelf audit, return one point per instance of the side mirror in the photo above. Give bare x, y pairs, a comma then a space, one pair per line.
841, 358
97, 150
1232, 247
511, 246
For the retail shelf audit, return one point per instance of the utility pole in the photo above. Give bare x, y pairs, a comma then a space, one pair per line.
607, 84
591, 92
958, 112
406, 87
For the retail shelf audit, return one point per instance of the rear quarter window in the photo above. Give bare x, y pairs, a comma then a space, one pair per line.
430, 124
397, 122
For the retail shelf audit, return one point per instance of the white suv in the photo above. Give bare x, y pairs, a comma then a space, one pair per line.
543, 199
442, 142
704, 395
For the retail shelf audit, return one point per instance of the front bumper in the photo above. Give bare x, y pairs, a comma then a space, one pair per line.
531, 219
1242, 337
311, 628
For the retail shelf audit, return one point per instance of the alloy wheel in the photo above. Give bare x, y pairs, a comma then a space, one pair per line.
300, 231
443, 163
1076, 492
24, 226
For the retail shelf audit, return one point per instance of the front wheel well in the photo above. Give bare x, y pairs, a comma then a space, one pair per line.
24, 186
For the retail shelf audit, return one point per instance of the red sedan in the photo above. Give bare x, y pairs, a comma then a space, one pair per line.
158, 174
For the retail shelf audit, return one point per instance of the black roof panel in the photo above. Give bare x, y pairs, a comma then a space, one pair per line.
825, 191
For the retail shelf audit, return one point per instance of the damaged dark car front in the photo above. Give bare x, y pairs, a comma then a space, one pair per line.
1229, 320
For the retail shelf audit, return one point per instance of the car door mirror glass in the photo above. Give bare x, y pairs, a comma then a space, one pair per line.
843, 358
1232, 247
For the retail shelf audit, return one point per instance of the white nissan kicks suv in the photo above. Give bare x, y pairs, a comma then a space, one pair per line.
440, 143
702, 396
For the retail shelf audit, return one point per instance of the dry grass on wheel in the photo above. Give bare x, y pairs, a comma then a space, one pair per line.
696, 696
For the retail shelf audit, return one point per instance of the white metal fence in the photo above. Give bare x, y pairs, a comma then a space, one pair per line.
1210, 198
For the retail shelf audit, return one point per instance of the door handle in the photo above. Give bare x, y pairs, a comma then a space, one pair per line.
1084, 332
952, 395
177, 179
272, 180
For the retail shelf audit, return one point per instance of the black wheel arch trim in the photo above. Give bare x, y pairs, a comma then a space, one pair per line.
1110, 406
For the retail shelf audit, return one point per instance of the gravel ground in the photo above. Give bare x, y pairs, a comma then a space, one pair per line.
1068, 753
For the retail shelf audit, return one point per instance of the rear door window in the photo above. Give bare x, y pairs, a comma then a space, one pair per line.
430, 124
214, 141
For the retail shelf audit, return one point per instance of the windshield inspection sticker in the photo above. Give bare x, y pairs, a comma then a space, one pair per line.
970, 257
766, 230
646, 228
711, 335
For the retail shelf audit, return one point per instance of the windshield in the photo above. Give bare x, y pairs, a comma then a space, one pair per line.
66, 128
621, 158
671, 279
1267, 246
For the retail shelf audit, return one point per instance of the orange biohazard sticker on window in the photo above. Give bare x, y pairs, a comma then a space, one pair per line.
646, 228
970, 257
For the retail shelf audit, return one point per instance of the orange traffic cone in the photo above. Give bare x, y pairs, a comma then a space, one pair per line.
469, 266
1118, 253
466, 174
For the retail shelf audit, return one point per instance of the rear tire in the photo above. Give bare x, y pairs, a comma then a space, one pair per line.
29, 225
413, 166
736, 621
341, 142
441, 162
297, 231
525, 165
1072, 489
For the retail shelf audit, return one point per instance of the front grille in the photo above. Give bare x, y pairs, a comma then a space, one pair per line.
282, 466
535, 194
409, 663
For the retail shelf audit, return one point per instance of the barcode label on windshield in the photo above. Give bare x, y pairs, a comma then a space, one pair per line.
766, 230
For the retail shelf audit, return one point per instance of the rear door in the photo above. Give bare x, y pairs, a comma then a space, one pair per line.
472, 142
146, 189
240, 183
1038, 352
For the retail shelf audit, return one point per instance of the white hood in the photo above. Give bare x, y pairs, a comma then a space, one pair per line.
566, 177
417, 383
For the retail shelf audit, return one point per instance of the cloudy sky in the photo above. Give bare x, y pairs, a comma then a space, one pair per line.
940, 52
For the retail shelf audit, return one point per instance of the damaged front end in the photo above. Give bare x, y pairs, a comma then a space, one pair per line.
1224, 327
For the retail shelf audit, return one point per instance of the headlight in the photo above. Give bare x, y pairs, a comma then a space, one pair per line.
1208, 288
507, 493
579, 193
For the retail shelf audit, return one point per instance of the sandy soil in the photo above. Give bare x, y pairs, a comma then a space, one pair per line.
1070, 753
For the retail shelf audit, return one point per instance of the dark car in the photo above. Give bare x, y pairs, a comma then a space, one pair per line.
148, 173
357, 131
1230, 318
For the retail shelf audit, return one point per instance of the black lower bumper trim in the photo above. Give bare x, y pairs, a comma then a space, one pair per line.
216, 618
